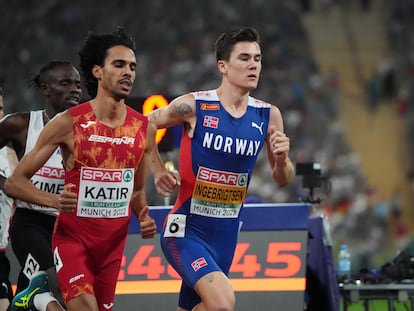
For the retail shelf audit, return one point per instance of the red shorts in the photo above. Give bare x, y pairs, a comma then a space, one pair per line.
87, 265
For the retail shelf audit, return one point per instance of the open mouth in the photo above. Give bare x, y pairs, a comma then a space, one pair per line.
126, 84
73, 100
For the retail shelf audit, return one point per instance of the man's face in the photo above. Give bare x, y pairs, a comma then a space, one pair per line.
63, 87
244, 66
118, 72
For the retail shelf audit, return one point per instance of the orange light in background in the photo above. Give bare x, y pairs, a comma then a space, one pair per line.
239, 285
152, 103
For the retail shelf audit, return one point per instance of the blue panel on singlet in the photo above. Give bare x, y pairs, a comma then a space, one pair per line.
224, 142
221, 144
255, 217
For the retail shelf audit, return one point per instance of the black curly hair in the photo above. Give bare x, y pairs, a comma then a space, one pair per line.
41, 77
94, 51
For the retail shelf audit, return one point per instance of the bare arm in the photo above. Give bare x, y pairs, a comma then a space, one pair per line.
180, 111
139, 204
57, 132
13, 130
278, 146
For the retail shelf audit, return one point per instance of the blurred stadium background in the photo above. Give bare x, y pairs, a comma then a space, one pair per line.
342, 73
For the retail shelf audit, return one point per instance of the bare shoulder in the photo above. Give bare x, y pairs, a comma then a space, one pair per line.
275, 111
180, 110
276, 117
13, 129
185, 97
15, 122
184, 104
61, 124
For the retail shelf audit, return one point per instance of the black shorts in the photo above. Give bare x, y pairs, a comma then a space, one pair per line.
4, 267
31, 241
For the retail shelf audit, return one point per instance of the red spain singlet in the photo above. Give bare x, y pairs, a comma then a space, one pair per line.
92, 238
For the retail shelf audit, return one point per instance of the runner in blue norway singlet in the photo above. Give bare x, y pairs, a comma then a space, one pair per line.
200, 233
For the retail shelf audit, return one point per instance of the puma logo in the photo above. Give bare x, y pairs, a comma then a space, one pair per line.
254, 124
87, 124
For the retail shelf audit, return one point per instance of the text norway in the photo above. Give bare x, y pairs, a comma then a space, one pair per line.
229, 144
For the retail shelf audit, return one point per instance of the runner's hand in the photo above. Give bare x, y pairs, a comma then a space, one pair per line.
147, 224
166, 182
67, 200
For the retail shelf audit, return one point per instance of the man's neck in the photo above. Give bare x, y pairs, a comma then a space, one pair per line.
233, 100
108, 111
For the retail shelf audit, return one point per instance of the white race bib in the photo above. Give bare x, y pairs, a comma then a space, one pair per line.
175, 226
105, 193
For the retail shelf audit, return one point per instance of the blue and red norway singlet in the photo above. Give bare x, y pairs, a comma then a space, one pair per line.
215, 165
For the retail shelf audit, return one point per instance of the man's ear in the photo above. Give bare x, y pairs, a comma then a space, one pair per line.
222, 66
45, 88
97, 71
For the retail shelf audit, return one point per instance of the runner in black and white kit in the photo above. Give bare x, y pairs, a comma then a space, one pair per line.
32, 226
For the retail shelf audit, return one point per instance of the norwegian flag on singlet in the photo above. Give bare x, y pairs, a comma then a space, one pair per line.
210, 121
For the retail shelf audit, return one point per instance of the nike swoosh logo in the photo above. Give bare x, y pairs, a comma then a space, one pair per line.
87, 124
106, 306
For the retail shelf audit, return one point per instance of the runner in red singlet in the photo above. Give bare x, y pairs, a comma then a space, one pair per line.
105, 147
